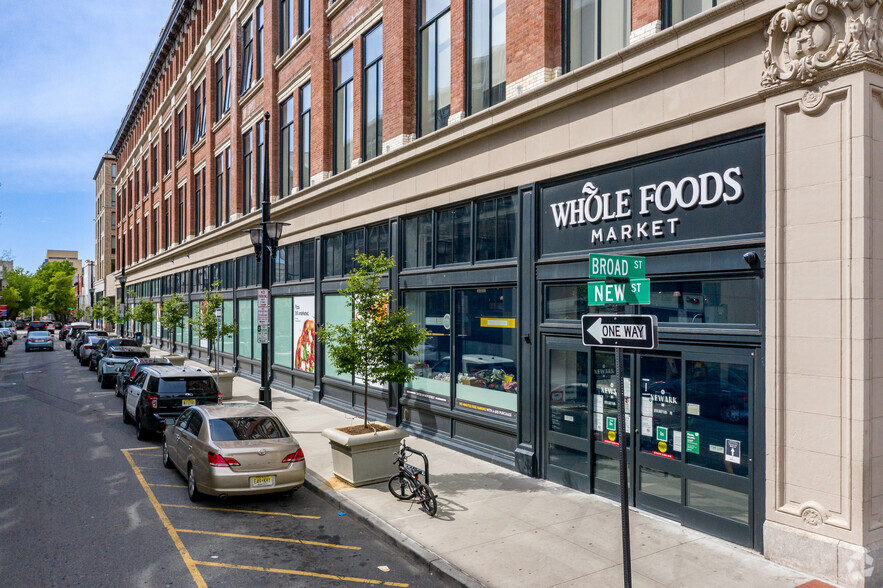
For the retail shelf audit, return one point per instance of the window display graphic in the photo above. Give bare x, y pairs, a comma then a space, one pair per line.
304, 315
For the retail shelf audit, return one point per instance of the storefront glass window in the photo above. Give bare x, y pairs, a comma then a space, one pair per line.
246, 336
282, 331
336, 313
717, 416
722, 502
304, 333
453, 235
566, 302
605, 397
661, 406
486, 352
704, 302
228, 319
307, 260
353, 243
333, 256
194, 313
496, 230
432, 361
569, 402
418, 241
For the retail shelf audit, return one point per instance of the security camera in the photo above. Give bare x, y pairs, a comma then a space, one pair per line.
751, 258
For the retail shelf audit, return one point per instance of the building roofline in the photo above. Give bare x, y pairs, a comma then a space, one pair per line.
104, 158
180, 12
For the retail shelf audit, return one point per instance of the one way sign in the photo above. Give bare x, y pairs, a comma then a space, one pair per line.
633, 331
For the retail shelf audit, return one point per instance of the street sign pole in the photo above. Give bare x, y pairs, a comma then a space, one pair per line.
623, 473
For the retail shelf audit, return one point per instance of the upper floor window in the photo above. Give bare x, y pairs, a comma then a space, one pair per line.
286, 148
343, 111
372, 93
145, 177
246, 172
434, 65
113, 171
486, 72
222, 84
683, 9
166, 148
303, 20
182, 133
199, 112
154, 164
286, 25
594, 33
259, 42
259, 129
304, 132
219, 189
247, 46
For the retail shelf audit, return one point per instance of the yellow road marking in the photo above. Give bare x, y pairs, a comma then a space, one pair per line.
149, 468
283, 539
185, 555
169, 485
260, 512
300, 573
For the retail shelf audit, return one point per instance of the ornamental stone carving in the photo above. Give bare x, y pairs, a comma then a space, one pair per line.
806, 38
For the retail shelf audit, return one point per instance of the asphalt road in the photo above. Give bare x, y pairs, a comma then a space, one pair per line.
83, 503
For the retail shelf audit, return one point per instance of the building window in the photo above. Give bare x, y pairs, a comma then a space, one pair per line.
199, 112
113, 171
166, 151
372, 93
165, 232
304, 136
247, 47
683, 9
432, 373
219, 188
418, 241
496, 228
182, 133
226, 79
594, 33
286, 20
259, 42
487, 54
145, 178
182, 194
453, 235
307, 260
343, 111
377, 240
286, 149
303, 24
246, 172
219, 88
353, 243
259, 162
197, 201
153, 163
227, 203
154, 231
333, 256
434, 67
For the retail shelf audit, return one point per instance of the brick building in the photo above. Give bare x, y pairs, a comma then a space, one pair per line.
489, 146
105, 225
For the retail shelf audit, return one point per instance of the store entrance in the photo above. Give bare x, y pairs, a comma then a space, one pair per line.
690, 437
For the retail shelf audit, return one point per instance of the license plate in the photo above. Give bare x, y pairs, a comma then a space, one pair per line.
189, 402
258, 481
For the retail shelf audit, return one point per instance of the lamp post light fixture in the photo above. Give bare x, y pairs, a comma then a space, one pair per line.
122, 280
265, 239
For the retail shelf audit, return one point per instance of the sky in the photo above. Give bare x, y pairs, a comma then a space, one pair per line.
68, 69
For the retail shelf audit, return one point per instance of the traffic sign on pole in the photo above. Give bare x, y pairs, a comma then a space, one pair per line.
616, 266
264, 307
627, 292
631, 331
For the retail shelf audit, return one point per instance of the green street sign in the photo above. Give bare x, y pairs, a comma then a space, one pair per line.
632, 292
616, 266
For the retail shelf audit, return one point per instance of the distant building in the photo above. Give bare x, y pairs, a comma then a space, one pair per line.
105, 220
65, 255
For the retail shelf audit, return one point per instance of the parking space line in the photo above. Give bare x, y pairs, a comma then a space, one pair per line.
300, 573
259, 512
149, 468
169, 485
263, 538
185, 555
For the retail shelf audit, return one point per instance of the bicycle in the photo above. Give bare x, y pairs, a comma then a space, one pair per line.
406, 484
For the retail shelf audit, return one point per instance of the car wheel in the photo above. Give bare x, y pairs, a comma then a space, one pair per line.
166, 460
140, 432
92, 367
126, 418
117, 391
192, 491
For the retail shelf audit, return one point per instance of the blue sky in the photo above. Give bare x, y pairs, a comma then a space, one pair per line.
67, 72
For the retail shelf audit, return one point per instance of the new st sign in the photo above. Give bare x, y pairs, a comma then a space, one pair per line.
632, 331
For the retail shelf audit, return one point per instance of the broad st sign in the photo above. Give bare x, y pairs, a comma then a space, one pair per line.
705, 192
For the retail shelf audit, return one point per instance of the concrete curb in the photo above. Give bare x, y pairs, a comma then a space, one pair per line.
446, 571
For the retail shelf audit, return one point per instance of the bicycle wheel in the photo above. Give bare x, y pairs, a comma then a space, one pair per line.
401, 486
426, 499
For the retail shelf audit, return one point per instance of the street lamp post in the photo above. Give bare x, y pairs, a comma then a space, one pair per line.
122, 280
265, 239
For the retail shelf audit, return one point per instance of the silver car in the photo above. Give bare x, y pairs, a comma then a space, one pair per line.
233, 449
7, 334
39, 340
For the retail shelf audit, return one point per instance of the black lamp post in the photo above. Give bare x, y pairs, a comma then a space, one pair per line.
265, 239
122, 279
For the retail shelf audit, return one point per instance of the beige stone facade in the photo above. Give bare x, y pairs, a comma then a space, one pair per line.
105, 223
810, 75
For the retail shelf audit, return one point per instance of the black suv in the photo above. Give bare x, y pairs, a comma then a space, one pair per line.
158, 394
129, 371
38, 326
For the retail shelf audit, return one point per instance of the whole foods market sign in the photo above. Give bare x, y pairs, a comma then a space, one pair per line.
704, 192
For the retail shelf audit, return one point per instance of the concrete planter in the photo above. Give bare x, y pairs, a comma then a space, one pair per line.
225, 383
175, 359
148, 347
364, 459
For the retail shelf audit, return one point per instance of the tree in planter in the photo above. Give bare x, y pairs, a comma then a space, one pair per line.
143, 313
207, 326
372, 344
174, 311
79, 313
104, 312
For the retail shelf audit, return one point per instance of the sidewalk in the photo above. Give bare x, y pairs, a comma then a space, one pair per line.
499, 528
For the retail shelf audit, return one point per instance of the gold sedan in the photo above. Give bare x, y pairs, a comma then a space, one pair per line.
233, 449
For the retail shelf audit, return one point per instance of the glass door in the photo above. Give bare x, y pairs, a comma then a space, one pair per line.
605, 444
567, 412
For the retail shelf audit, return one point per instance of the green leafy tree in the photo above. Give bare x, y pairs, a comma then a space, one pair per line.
206, 325
11, 297
143, 312
52, 287
20, 280
174, 311
106, 313
79, 313
373, 342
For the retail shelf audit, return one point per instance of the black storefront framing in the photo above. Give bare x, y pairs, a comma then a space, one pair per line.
703, 259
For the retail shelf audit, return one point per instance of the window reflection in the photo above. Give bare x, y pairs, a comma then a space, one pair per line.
605, 396
569, 392
431, 362
706, 301
661, 406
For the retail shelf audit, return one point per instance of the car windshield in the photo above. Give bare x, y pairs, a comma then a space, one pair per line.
128, 352
195, 386
246, 428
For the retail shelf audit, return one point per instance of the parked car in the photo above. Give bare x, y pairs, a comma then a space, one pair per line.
163, 392
233, 449
116, 353
11, 326
75, 330
38, 326
56, 326
83, 337
39, 340
86, 348
21, 324
7, 334
3, 346
129, 371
